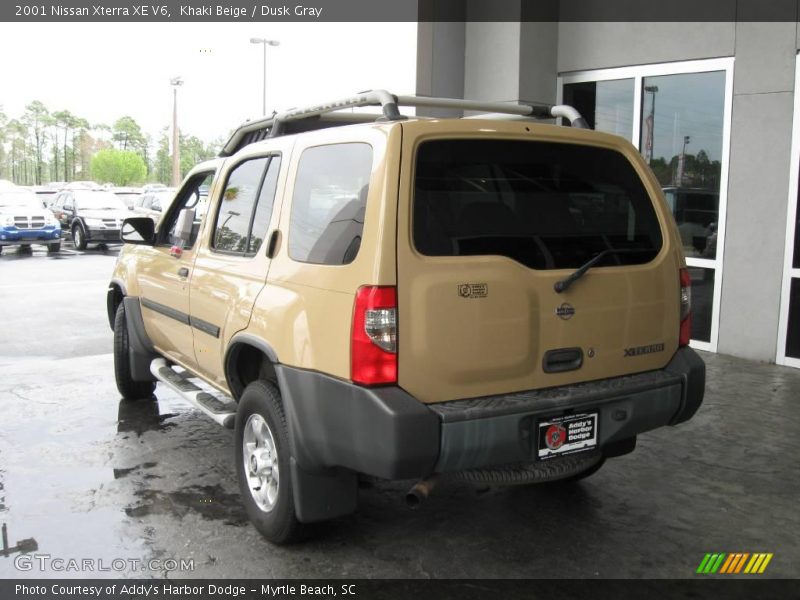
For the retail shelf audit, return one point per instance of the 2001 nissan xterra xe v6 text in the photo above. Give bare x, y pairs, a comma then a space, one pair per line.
484, 298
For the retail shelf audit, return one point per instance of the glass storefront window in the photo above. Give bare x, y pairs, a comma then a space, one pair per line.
679, 115
796, 261
681, 139
793, 328
606, 105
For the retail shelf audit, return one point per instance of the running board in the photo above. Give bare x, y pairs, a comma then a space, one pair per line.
220, 411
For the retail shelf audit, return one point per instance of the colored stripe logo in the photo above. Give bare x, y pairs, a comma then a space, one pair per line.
734, 563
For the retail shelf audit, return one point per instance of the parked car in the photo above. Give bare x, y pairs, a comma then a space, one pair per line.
91, 216
46, 195
151, 204
81, 185
23, 220
696, 211
153, 187
129, 195
483, 299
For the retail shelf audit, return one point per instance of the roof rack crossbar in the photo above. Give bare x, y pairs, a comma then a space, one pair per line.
274, 125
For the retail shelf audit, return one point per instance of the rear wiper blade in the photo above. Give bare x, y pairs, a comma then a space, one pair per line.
564, 284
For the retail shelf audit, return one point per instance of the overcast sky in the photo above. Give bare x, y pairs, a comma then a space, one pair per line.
103, 71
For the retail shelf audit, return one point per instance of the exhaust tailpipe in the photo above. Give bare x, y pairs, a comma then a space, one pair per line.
420, 492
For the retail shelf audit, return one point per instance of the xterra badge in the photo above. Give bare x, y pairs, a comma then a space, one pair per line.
639, 350
473, 290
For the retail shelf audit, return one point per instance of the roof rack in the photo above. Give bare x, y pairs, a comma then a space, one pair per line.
324, 115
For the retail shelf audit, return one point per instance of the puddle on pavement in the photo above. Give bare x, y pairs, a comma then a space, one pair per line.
137, 470
139, 416
209, 501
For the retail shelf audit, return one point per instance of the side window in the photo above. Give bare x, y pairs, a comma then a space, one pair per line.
246, 205
329, 202
266, 201
68, 202
187, 197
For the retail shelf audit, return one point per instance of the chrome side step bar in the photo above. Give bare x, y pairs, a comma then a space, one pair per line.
221, 411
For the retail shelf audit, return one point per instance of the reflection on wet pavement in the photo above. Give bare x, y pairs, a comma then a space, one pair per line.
209, 501
6, 549
138, 416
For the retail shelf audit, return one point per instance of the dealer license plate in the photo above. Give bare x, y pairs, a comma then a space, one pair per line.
567, 435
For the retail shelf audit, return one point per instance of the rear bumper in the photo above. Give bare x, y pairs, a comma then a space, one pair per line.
386, 433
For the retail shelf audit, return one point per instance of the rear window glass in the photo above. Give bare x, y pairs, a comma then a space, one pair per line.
546, 205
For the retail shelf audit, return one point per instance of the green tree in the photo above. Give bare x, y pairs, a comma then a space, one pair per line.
120, 167
65, 120
52, 124
162, 167
80, 142
127, 134
36, 118
3, 121
17, 133
193, 151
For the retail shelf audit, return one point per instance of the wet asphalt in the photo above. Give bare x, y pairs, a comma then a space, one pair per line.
86, 475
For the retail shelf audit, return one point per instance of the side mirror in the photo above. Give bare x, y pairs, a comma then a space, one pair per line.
183, 227
138, 230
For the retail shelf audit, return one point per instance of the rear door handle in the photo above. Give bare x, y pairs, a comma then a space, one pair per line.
183, 272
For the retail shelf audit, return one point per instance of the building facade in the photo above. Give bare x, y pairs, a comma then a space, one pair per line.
712, 108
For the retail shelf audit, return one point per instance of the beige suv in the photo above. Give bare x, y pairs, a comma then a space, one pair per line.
485, 298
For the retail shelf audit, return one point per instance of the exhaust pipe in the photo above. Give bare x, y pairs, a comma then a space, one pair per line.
420, 492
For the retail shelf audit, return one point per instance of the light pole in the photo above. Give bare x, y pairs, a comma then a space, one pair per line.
175, 82
264, 42
653, 89
682, 161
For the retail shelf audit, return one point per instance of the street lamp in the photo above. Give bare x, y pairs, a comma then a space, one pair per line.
264, 42
682, 161
652, 89
175, 82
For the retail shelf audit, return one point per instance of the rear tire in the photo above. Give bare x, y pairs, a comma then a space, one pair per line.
263, 466
54, 247
78, 237
130, 389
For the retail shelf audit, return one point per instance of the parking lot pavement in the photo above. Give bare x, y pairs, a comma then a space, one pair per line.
88, 476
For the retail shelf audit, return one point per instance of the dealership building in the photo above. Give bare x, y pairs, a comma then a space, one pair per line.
710, 105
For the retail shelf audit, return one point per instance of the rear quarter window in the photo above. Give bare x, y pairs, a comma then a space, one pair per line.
329, 203
546, 205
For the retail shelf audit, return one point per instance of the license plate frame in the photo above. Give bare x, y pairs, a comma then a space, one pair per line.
566, 434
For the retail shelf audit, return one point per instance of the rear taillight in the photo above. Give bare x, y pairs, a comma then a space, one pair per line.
686, 308
373, 347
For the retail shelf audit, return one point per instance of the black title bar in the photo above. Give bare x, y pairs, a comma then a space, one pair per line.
389, 589
398, 10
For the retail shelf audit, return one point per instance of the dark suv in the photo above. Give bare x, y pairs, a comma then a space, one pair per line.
91, 216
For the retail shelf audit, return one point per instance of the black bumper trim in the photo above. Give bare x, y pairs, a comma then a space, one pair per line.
383, 431
387, 433
553, 399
